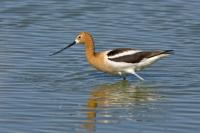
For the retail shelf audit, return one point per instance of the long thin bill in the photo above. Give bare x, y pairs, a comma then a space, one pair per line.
63, 49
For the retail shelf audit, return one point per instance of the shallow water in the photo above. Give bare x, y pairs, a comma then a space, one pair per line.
44, 94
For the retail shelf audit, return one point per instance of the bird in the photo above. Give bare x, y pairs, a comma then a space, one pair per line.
120, 61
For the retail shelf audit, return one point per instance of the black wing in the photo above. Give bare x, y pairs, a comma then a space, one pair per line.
118, 51
137, 57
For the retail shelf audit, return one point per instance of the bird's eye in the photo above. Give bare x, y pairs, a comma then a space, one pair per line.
79, 37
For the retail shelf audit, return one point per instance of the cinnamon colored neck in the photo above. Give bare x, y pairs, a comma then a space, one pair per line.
90, 48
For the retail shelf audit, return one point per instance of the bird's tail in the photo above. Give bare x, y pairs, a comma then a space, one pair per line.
168, 52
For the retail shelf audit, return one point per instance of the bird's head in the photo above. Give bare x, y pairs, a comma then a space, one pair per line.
81, 38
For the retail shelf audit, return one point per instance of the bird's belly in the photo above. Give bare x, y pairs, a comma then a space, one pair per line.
106, 69
119, 68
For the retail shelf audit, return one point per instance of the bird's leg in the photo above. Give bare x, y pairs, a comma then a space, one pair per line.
122, 75
124, 78
138, 76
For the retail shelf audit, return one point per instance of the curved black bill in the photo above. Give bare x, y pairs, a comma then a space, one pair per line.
64, 48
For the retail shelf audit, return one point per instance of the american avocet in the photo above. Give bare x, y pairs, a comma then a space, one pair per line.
121, 61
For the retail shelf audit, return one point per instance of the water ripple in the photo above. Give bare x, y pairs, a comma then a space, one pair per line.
62, 93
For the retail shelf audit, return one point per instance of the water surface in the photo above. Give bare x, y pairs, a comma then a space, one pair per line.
43, 94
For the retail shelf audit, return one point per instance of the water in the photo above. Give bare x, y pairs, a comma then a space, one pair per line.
59, 94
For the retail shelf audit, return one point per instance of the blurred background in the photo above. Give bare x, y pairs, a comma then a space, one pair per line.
58, 94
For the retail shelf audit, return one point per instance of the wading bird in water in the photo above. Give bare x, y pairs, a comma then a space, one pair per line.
121, 61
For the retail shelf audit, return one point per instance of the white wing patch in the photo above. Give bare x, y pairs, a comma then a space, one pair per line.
119, 66
128, 52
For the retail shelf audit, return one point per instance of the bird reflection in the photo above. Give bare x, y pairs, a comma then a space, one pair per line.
119, 95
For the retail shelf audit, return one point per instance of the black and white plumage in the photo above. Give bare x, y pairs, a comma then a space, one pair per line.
121, 61
128, 61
